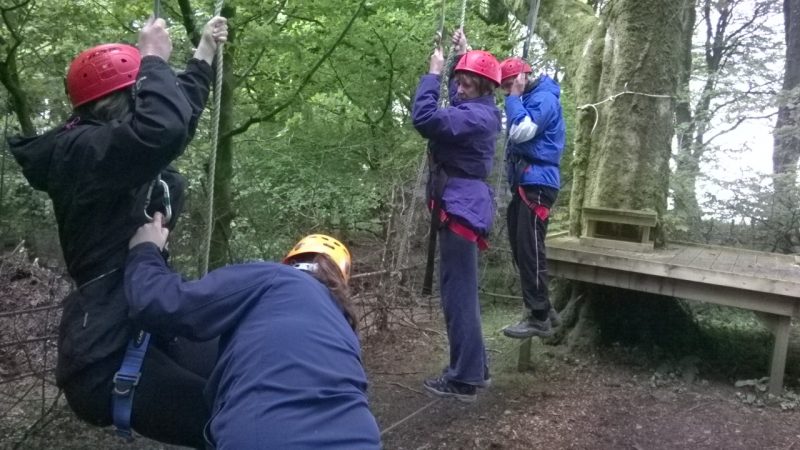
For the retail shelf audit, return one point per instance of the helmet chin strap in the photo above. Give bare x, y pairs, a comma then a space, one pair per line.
306, 267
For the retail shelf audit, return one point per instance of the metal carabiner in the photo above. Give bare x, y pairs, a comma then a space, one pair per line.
166, 201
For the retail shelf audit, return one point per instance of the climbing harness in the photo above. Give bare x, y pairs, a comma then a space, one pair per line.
125, 382
212, 163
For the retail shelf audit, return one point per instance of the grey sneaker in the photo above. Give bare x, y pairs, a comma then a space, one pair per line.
528, 327
442, 387
555, 318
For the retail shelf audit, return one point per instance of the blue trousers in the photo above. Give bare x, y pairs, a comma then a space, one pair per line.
458, 275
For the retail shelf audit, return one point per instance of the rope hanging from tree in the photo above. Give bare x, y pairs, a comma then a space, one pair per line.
451, 57
533, 13
212, 164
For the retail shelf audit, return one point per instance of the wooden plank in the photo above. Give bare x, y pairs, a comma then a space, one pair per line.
779, 351
685, 256
765, 264
706, 259
725, 261
627, 216
619, 245
745, 263
524, 361
565, 249
720, 295
645, 235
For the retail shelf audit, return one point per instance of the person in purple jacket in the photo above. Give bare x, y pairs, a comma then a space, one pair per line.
289, 372
462, 144
536, 135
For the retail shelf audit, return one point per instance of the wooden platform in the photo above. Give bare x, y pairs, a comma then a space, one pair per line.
766, 283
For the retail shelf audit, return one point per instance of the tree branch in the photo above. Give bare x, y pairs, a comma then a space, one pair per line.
254, 120
738, 122
187, 14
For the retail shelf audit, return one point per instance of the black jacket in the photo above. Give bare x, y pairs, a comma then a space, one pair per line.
97, 175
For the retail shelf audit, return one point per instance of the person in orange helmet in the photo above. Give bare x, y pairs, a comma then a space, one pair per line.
105, 170
289, 372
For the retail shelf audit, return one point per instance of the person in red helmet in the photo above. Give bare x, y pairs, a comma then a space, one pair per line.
462, 143
536, 135
132, 116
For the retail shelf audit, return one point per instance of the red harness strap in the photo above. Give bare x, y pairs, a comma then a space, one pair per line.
541, 211
462, 230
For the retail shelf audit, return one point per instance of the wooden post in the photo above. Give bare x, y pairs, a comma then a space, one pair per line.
782, 326
524, 361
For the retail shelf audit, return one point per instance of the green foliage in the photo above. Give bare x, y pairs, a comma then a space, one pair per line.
317, 146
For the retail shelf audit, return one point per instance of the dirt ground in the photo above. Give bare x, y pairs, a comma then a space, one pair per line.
610, 399
565, 402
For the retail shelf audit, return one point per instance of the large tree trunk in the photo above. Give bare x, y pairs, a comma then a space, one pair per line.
787, 137
622, 147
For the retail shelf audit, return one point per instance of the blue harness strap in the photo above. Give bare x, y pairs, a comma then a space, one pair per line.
125, 381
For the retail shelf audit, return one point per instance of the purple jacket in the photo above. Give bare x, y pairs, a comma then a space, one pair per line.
462, 140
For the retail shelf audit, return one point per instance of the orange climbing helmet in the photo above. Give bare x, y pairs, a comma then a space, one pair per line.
512, 67
320, 243
480, 63
101, 70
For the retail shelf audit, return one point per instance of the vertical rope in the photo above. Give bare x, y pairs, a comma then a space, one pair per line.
533, 13
212, 164
451, 59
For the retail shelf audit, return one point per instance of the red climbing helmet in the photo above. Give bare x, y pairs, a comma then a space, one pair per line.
481, 63
101, 70
513, 66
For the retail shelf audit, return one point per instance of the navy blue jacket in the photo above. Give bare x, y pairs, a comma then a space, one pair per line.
543, 152
289, 373
462, 139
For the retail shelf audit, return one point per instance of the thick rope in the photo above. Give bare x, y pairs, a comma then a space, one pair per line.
451, 60
533, 13
212, 163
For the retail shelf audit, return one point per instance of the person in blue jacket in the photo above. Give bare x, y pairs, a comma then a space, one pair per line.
462, 143
289, 373
536, 135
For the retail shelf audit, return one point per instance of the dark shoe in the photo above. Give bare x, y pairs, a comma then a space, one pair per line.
555, 318
487, 377
441, 387
529, 327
